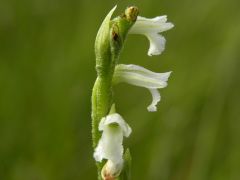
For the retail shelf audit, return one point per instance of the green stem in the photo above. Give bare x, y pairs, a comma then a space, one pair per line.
101, 103
108, 45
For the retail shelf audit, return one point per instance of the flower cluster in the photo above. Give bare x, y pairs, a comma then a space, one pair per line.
113, 126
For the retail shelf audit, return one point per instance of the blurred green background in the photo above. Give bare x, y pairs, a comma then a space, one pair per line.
47, 73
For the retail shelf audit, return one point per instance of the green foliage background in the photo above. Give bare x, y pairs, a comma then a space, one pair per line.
47, 73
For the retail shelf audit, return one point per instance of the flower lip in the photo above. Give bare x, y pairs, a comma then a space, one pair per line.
156, 98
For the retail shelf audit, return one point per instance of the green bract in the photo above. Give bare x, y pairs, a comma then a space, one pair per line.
110, 38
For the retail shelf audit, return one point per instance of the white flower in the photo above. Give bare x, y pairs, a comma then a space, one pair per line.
151, 28
110, 145
139, 76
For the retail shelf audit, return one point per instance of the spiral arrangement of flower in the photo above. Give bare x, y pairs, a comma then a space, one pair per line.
108, 127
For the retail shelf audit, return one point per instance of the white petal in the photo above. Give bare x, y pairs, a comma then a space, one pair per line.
159, 19
99, 152
157, 44
115, 119
155, 25
156, 98
139, 76
110, 145
142, 70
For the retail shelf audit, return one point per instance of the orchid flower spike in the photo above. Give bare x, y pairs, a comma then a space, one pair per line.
151, 29
139, 76
110, 145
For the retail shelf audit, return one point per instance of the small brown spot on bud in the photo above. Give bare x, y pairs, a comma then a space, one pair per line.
115, 36
115, 32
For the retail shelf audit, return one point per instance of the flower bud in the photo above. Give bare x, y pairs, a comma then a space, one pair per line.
110, 170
